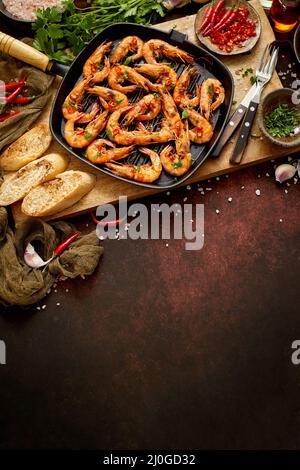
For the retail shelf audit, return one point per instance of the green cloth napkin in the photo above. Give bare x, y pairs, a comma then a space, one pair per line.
39, 82
22, 285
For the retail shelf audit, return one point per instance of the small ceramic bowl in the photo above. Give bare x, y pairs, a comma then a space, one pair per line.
269, 103
18, 27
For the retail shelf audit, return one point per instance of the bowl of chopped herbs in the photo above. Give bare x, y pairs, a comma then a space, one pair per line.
279, 117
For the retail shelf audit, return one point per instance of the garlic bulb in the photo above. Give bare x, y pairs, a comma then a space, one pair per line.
171, 4
285, 172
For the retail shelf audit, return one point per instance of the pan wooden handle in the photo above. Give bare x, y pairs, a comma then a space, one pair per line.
21, 51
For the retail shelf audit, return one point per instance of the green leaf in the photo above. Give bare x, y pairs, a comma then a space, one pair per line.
184, 114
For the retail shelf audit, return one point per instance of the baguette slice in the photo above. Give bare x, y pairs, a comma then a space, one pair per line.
56, 195
30, 146
18, 185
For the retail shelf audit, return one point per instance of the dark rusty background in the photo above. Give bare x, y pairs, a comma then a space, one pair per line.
165, 348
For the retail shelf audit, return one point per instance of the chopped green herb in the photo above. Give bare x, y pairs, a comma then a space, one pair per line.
109, 133
100, 66
69, 104
88, 136
247, 71
119, 100
128, 60
282, 121
138, 168
184, 114
211, 89
125, 74
234, 102
253, 79
177, 164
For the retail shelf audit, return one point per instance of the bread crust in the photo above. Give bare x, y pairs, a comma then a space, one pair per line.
59, 194
30, 146
34, 173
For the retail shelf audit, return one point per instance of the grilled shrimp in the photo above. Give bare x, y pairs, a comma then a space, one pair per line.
211, 89
179, 163
94, 67
141, 137
143, 173
171, 113
180, 95
163, 73
98, 151
110, 99
119, 73
145, 110
155, 48
203, 130
128, 44
71, 106
79, 137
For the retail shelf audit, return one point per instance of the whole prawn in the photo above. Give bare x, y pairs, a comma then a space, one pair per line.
94, 68
119, 73
212, 96
177, 164
72, 103
142, 137
79, 137
164, 74
103, 151
155, 48
180, 95
128, 44
144, 173
146, 109
110, 99
203, 130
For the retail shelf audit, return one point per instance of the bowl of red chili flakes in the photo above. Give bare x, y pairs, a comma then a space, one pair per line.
228, 27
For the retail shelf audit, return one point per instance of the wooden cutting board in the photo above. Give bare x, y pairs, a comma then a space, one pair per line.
108, 189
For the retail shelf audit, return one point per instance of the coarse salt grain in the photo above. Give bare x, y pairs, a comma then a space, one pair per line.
26, 10
257, 192
230, 199
217, 211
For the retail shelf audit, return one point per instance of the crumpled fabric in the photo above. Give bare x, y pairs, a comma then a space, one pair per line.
40, 85
22, 285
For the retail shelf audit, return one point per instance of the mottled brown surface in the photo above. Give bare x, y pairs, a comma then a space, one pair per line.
165, 348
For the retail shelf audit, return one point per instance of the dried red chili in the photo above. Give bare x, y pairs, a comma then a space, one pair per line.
63, 246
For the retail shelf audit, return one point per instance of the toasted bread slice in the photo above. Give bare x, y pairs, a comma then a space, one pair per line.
56, 195
32, 145
17, 186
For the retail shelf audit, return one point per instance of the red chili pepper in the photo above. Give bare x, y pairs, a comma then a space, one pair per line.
13, 85
226, 21
7, 116
13, 96
219, 5
111, 104
24, 99
108, 223
65, 244
207, 17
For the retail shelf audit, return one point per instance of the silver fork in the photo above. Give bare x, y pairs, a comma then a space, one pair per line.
264, 74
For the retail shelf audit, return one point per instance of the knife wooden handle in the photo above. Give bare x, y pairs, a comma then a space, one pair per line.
229, 129
243, 136
21, 51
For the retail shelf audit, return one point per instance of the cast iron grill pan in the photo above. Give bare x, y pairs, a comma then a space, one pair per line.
207, 66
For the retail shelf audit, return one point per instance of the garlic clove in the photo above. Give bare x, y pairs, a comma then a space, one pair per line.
32, 258
284, 172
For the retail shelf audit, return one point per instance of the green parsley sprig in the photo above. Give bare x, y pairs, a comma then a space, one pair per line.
63, 34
